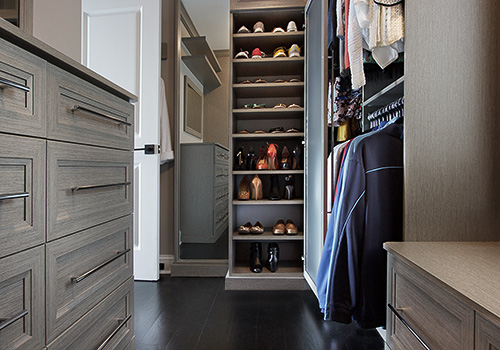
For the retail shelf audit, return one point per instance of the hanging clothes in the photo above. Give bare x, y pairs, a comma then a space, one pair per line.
367, 211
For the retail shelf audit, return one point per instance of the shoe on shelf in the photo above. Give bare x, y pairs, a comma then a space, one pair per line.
255, 257
260, 81
258, 27
286, 159
256, 187
296, 158
278, 30
289, 187
290, 228
291, 130
279, 52
277, 129
242, 54
257, 229
274, 192
244, 29
272, 156
262, 163
294, 105
256, 53
244, 189
250, 161
239, 160
279, 227
279, 105
272, 257
291, 27
245, 229
294, 51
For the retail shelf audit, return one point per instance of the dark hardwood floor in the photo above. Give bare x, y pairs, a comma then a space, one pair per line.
197, 313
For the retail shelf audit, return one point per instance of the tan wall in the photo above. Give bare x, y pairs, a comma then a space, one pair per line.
58, 23
452, 120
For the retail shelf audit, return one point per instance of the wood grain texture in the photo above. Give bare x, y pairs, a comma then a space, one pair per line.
69, 166
22, 287
452, 163
22, 169
487, 334
467, 270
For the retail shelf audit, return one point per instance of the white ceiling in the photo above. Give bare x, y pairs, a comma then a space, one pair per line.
211, 18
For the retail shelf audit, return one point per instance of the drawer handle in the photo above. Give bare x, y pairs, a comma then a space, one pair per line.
14, 195
95, 269
120, 326
91, 187
398, 315
221, 175
99, 114
8, 321
10, 83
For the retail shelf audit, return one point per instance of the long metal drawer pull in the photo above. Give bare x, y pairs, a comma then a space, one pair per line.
120, 326
14, 195
7, 322
95, 269
398, 315
99, 114
91, 187
10, 83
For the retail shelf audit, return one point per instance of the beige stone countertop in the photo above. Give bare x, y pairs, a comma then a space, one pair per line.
468, 270
37, 47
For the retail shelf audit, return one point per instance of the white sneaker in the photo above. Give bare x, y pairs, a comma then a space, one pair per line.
258, 27
243, 29
292, 27
294, 51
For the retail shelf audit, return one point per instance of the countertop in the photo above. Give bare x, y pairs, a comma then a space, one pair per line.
468, 270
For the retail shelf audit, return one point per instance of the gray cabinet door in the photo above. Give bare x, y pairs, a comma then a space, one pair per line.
22, 193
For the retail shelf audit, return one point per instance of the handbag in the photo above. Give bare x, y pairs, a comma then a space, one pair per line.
388, 2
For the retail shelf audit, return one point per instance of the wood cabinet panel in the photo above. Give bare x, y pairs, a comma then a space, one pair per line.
92, 330
81, 112
22, 288
68, 258
86, 186
487, 333
22, 187
22, 89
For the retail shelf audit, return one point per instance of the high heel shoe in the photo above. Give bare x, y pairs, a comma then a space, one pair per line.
255, 257
239, 160
289, 187
296, 157
286, 160
272, 257
256, 188
250, 163
272, 156
244, 189
274, 192
262, 160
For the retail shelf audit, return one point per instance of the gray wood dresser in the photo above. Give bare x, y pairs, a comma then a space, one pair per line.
446, 293
205, 192
66, 174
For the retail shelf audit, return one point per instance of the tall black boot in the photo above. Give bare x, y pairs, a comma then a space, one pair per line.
272, 257
274, 192
255, 264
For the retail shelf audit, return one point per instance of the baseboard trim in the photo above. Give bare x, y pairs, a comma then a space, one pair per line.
198, 270
166, 262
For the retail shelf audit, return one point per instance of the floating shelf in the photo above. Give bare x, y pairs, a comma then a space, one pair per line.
267, 135
267, 41
269, 202
199, 46
203, 70
385, 96
262, 90
268, 172
267, 236
260, 67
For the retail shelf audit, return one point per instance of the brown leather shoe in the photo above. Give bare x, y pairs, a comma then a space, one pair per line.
279, 228
257, 229
245, 229
290, 228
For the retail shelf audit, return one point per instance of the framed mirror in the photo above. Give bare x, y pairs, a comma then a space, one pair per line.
193, 109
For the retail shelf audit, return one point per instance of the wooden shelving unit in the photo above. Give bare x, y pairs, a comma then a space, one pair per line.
202, 62
290, 267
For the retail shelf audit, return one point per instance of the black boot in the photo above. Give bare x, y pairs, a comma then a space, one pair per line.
272, 257
255, 264
274, 192
289, 187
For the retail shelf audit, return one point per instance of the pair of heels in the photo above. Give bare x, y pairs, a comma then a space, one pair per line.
268, 158
248, 228
244, 161
250, 189
289, 189
282, 228
272, 257
290, 161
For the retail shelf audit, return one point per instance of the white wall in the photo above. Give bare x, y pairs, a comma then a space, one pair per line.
58, 23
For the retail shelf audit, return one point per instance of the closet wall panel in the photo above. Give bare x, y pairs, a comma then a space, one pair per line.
452, 158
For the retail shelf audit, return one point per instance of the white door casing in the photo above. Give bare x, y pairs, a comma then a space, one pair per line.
121, 41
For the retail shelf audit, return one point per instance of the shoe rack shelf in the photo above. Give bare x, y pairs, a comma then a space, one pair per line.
271, 93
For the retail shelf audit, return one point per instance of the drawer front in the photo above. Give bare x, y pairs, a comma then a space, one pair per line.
86, 186
221, 175
105, 320
22, 193
439, 319
487, 333
22, 291
83, 268
221, 217
221, 195
221, 156
81, 112
22, 91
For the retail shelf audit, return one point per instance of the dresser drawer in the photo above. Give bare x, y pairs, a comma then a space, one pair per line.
104, 323
221, 174
440, 320
22, 91
22, 291
86, 186
221, 156
487, 333
83, 268
79, 111
22, 193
